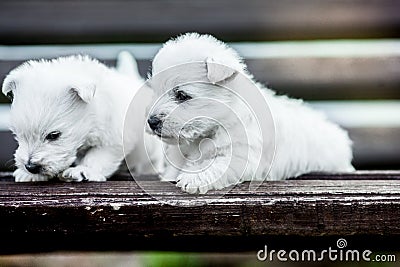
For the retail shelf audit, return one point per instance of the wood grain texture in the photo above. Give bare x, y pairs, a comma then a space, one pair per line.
73, 212
72, 21
356, 175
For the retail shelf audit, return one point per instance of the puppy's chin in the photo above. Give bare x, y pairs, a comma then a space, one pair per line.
54, 169
52, 173
171, 140
44, 175
184, 138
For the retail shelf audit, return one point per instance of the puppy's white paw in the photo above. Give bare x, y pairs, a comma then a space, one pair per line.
82, 173
23, 176
194, 183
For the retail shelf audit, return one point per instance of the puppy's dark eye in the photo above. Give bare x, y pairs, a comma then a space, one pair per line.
181, 96
10, 95
53, 136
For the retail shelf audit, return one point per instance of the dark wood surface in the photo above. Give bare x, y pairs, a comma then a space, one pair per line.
376, 147
356, 175
157, 215
334, 78
72, 21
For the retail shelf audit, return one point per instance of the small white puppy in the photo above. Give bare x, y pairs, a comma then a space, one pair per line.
67, 115
217, 142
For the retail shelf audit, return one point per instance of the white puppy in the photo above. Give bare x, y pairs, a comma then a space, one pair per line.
67, 115
218, 142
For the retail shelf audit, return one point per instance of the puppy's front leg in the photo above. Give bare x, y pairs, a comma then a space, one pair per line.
219, 174
98, 164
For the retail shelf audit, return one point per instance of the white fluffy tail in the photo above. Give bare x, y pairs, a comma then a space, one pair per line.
126, 64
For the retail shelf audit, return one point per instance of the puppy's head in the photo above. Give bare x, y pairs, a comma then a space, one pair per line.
188, 76
50, 111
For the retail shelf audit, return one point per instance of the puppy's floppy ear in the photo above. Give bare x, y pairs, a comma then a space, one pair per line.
8, 88
84, 92
217, 72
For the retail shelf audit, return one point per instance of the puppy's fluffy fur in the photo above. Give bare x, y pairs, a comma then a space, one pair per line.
304, 140
67, 116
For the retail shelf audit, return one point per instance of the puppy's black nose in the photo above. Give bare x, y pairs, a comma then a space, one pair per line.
33, 168
155, 123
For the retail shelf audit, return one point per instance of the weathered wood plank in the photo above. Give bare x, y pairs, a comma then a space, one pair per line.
356, 175
310, 77
74, 21
330, 78
107, 211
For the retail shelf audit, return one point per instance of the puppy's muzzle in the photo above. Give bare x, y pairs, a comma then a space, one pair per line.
33, 168
155, 123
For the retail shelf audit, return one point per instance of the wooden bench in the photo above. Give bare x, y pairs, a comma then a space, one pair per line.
336, 76
120, 215
86, 21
